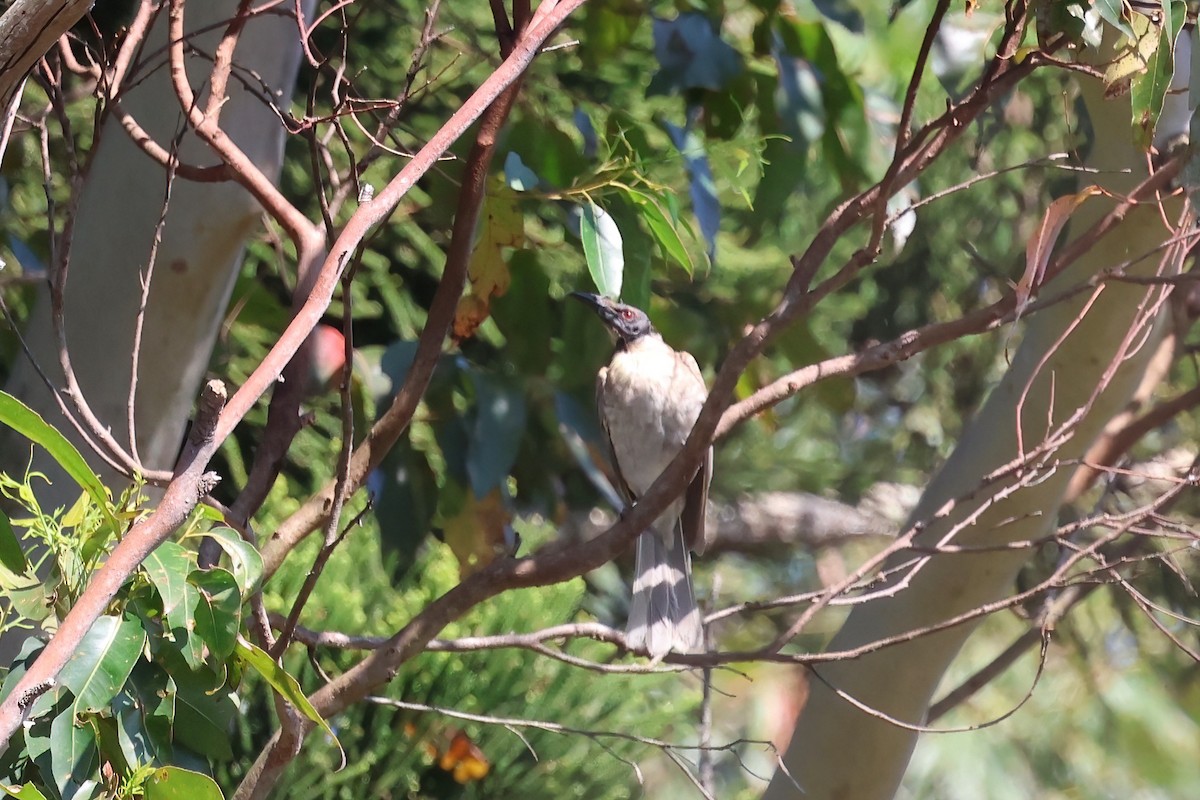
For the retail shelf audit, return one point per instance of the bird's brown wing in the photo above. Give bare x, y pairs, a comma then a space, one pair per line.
621, 486
695, 498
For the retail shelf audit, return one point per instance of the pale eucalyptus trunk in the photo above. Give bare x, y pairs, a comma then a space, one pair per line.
838, 752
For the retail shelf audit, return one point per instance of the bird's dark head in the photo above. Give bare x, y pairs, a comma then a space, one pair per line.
627, 323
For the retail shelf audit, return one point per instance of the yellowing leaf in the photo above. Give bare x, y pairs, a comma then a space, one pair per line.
476, 532
1135, 58
1041, 244
501, 226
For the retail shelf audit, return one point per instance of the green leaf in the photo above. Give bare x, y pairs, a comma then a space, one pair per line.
167, 567
244, 559
218, 612
638, 247
663, 227
1111, 12
26, 792
176, 783
602, 249
203, 715
145, 712
283, 683
102, 662
72, 753
1148, 87
11, 554
25, 421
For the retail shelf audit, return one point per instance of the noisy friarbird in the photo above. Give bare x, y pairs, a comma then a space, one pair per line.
648, 398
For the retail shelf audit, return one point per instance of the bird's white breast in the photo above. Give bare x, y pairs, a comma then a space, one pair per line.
650, 402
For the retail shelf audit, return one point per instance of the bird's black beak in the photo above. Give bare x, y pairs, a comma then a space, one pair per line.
598, 303
594, 300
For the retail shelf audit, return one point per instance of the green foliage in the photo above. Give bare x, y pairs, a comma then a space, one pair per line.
152, 686
402, 750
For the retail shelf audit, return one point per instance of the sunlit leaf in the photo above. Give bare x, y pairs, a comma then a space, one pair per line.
27, 422
602, 249
245, 561
662, 227
26, 792
637, 245
501, 226
1148, 89
167, 567
176, 783
102, 662
1135, 57
256, 659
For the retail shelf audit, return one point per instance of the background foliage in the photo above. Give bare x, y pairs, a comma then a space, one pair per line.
715, 136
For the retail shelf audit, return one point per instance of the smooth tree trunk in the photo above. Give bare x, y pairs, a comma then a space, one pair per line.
203, 241
839, 752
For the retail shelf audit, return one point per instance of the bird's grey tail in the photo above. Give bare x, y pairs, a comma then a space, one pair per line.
663, 614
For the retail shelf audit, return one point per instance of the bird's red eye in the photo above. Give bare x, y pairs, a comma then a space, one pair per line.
627, 314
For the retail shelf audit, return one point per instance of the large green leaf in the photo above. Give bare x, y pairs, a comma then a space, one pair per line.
257, 659
102, 662
168, 567
602, 249
27, 422
26, 792
245, 562
145, 714
203, 715
176, 783
72, 754
11, 554
1148, 88
218, 611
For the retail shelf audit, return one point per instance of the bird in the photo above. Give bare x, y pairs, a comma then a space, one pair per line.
648, 399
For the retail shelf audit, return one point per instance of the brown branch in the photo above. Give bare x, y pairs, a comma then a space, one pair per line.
919, 339
1120, 442
218, 80
307, 238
